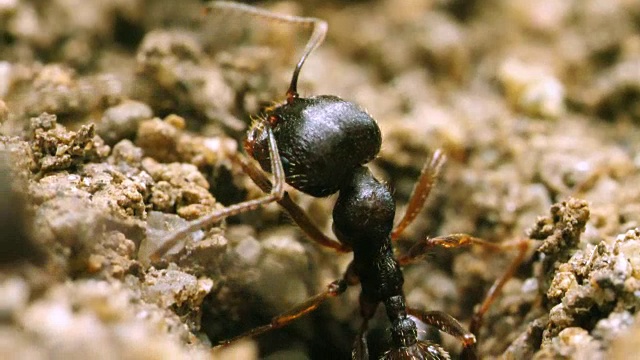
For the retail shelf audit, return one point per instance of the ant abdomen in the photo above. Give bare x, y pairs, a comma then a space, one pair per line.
420, 350
321, 140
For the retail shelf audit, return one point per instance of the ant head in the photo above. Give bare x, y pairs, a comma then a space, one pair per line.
321, 140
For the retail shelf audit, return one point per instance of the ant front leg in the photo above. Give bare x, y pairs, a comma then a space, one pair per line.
276, 194
297, 214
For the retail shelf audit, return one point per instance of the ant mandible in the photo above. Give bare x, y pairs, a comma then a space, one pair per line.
320, 145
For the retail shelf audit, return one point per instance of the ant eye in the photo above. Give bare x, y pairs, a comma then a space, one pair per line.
285, 163
273, 120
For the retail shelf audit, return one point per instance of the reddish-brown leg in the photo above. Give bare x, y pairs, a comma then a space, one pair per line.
367, 311
360, 349
276, 193
498, 284
446, 323
494, 292
422, 248
458, 240
297, 214
334, 289
427, 179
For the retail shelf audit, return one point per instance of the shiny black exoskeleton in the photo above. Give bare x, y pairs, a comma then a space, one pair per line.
324, 143
320, 145
321, 140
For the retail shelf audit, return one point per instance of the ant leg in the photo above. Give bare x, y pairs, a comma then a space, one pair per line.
457, 240
493, 293
334, 289
446, 323
420, 193
360, 348
418, 250
297, 214
498, 284
367, 311
277, 192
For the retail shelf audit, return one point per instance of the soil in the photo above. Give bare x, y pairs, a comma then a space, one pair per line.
119, 121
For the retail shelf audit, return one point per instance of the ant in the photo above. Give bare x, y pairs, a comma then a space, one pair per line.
320, 146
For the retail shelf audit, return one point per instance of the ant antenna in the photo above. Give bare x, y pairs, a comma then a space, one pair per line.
317, 36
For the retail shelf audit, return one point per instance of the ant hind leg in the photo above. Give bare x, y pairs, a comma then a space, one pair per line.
459, 240
498, 284
446, 323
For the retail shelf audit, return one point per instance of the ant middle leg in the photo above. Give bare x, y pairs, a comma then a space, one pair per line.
276, 193
428, 176
420, 249
334, 289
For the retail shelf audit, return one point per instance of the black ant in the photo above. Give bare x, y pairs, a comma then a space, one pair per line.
320, 145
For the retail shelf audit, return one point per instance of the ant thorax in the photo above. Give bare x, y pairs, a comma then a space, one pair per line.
321, 140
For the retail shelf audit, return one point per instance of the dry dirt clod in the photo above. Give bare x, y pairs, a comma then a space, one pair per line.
55, 148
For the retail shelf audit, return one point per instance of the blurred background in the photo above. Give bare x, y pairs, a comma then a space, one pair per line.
117, 120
